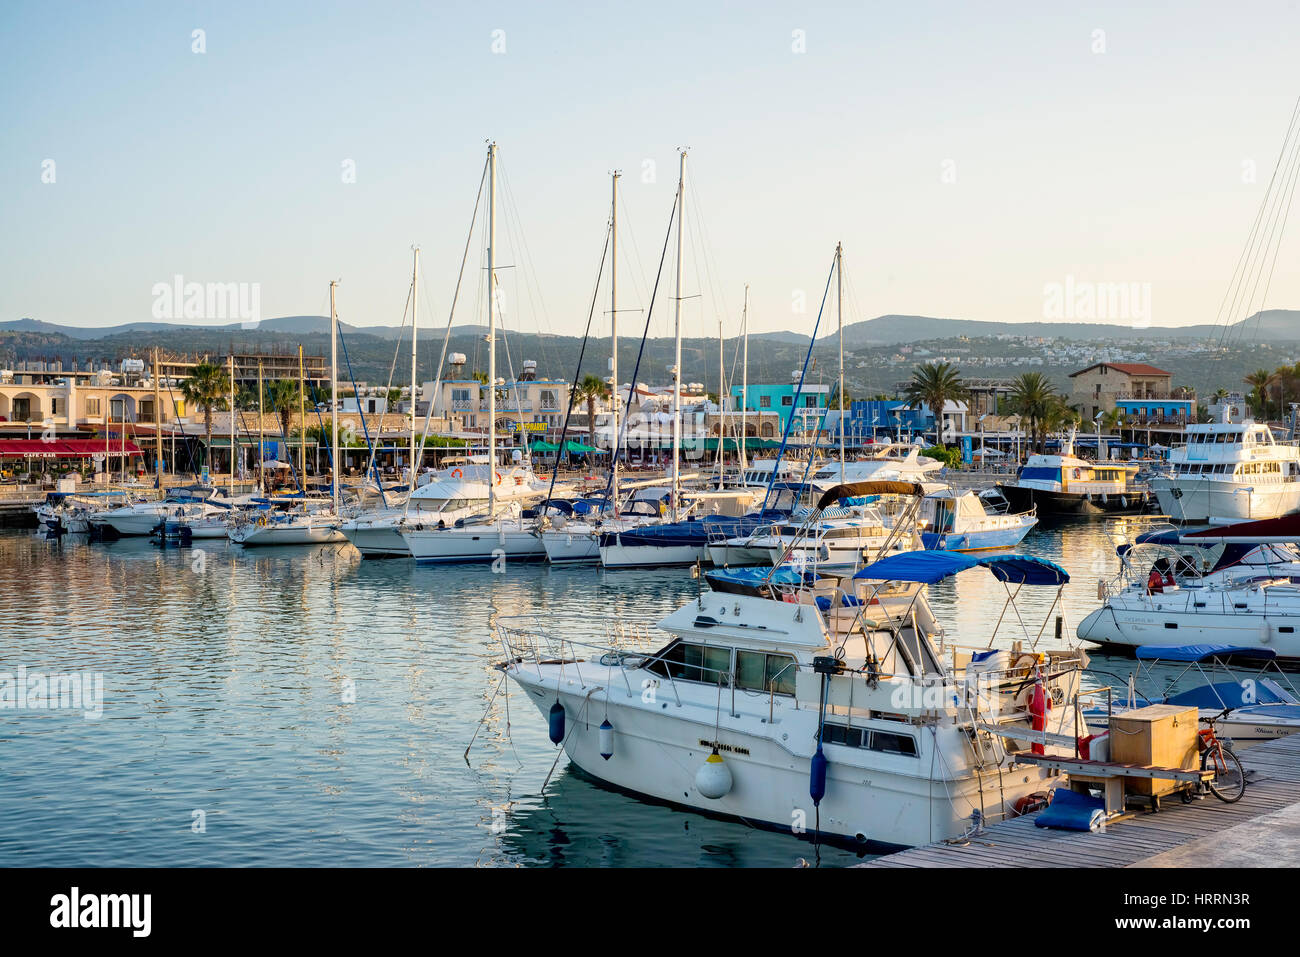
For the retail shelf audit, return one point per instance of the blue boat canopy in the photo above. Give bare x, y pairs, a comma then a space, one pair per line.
1201, 652
930, 567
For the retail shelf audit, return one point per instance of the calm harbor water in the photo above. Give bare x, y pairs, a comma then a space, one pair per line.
303, 707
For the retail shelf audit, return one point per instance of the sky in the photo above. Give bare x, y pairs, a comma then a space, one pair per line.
968, 155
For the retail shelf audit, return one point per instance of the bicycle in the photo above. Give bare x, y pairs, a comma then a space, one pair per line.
1229, 781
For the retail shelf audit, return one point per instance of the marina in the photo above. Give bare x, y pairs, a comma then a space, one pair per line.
694, 439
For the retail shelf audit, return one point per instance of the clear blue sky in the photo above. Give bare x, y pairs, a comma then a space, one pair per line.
225, 166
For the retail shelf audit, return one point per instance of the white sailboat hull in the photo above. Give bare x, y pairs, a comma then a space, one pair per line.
475, 544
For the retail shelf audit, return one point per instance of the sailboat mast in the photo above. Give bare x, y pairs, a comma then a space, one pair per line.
334, 401
261, 432
415, 321
744, 387
677, 322
230, 485
613, 336
492, 326
302, 427
722, 414
839, 309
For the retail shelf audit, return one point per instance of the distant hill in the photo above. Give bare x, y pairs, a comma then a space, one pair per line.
1273, 325
1277, 325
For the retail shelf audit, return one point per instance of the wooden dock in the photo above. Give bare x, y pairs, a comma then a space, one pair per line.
1262, 829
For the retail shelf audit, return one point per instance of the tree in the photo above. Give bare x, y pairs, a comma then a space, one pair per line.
936, 384
1032, 397
1257, 398
206, 389
281, 397
590, 389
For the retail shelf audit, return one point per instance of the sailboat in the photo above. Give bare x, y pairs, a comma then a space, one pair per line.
493, 535
307, 522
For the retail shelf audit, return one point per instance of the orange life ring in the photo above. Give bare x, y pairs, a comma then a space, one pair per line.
498, 475
456, 473
1077, 473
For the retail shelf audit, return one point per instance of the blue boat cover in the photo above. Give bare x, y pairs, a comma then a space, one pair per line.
1201, 652
934, 566
1073, 812
782, 575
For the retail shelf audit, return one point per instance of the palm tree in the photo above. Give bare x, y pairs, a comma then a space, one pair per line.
281, 397
206, 388
936, 384
1032, 396
591, 388
1258, 397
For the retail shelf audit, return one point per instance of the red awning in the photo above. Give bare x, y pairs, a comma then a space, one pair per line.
63, 448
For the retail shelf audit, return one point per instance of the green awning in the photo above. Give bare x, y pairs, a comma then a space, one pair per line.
573, 448
731, 444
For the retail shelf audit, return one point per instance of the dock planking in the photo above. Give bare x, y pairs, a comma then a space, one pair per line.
1273, 776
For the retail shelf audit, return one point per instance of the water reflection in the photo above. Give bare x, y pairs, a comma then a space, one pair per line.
316, 708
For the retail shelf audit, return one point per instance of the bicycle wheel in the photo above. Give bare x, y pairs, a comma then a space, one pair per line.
1229, 781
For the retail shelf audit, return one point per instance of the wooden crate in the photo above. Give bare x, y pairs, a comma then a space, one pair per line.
1159, 735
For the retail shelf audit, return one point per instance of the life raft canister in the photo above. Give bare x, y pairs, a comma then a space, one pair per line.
1039, 704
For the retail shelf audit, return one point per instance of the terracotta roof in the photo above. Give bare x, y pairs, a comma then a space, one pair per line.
1128, 368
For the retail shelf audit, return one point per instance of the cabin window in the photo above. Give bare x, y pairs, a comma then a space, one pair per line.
887, 742
759, 671
687, 661
893, 743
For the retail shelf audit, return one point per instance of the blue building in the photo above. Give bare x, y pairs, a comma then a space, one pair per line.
769, 398
877, 418
1157, 411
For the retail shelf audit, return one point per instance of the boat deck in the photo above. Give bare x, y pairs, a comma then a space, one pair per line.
1262, 829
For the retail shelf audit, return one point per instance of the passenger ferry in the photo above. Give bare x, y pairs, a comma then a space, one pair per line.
1230, 472
1065, 484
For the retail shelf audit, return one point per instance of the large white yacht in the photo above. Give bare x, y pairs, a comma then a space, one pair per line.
815, 705
1230, 472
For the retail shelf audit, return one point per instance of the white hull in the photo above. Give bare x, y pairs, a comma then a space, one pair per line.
475, 544
892, 802
1187, 499
318, 533
377, 540
738, 555
572, 546
1173, 619
651, 556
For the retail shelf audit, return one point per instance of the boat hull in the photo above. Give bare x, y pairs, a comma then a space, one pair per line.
658, 757
459, 546
1189, 500
1073, 504
617, 555
377, 541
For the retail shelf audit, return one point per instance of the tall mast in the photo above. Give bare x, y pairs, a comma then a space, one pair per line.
157, 425
722, 415
492, 326
613, 334
230, 485
677, 322
744, 387
334, 401
839, 309
415, 321
302, 427
261, 432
